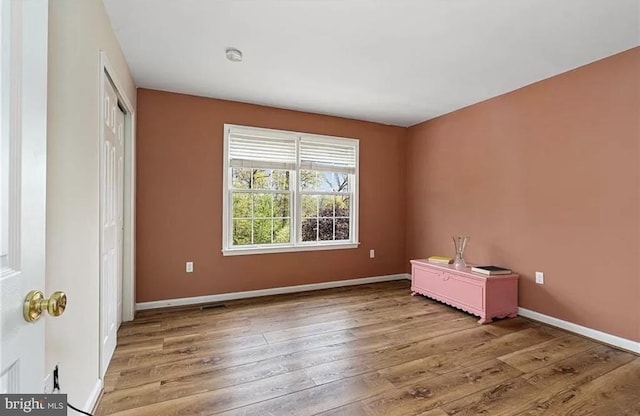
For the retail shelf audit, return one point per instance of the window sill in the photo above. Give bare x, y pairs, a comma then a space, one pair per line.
286, 249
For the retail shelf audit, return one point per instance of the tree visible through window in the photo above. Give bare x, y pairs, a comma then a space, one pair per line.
325, 206
286, 190
261, 209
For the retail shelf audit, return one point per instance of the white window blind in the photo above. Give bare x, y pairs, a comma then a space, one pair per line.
257, 149
331, 156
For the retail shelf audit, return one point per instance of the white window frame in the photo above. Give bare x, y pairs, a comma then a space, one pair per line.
296, 219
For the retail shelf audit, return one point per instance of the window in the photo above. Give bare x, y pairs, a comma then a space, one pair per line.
286, 191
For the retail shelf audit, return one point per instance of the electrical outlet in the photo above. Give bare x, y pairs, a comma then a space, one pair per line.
540, 278
372, 254
189, 267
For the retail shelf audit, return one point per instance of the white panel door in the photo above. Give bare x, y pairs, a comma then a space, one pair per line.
111, 215
23, 128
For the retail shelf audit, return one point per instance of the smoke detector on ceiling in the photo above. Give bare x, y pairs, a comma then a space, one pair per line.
234, 55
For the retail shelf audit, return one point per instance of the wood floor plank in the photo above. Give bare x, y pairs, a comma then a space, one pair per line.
401, 353
186, 330
129, 329
195, 345
392, 324
222, 399
148, 345
176, 387
311, 303
202, 340
122, 399
425, 394
379, 316
357, 409
541, 355
616, 392
317, 302
367, 350
579, 369
468, 354
537, 412
189, 365
351, 409
193, 320
508, 326
434, 412
507, 398
318, 399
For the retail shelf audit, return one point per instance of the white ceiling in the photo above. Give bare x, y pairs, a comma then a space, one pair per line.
391, 61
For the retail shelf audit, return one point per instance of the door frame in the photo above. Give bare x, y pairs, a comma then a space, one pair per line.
128, 236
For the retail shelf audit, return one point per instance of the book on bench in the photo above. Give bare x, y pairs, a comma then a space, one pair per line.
440, 260
490, 270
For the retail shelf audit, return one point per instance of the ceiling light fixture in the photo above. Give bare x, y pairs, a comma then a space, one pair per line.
234, 55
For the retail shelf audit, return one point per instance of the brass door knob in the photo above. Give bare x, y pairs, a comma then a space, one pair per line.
35, 303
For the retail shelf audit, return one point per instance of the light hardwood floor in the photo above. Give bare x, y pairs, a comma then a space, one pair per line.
369, 350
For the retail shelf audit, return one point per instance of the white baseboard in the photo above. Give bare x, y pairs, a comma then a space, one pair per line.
267, 292
614, 340
92, 401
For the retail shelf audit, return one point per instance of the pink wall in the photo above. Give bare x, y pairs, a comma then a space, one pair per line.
179, 200
545, 178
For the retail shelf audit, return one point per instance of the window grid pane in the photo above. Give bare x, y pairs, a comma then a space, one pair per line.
254, 217
325, 217
331, 182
